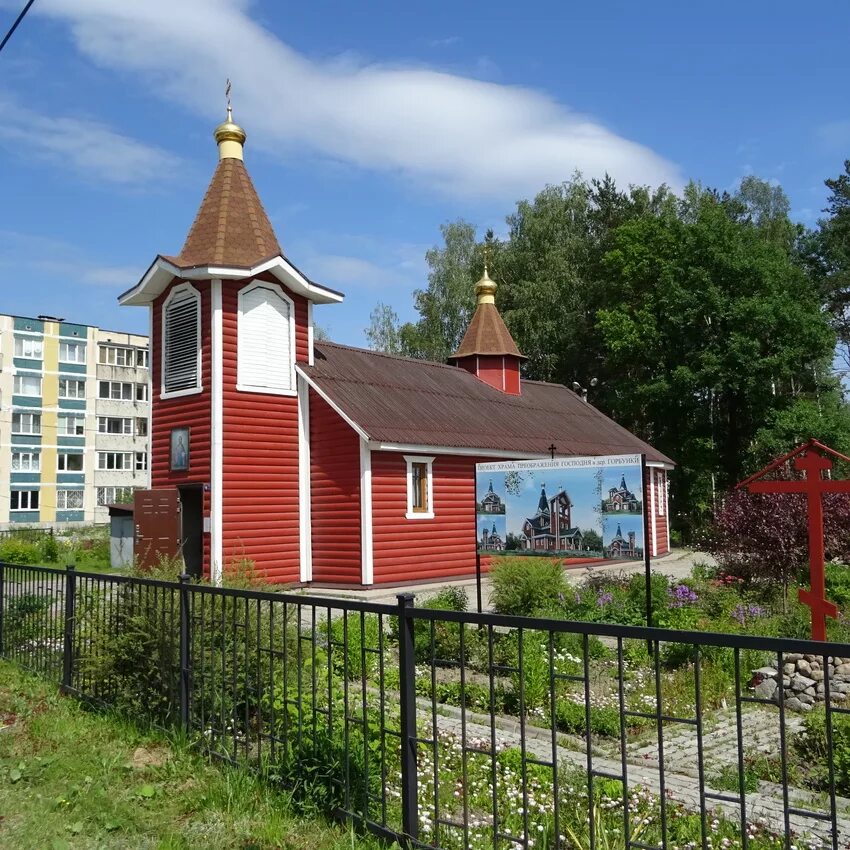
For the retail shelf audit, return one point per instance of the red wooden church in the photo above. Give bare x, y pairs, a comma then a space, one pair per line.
321, 462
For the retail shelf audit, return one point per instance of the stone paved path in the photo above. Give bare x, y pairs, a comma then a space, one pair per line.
680, 768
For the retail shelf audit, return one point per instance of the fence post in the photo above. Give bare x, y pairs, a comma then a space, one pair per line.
68, 640
407, 683
184, 650
2, 606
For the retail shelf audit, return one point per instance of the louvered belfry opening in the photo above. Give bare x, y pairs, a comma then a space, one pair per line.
181, 341
265, 343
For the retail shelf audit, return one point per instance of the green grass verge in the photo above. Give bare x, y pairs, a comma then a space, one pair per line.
70, 778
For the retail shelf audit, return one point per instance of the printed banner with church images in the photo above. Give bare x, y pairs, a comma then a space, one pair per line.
572, 507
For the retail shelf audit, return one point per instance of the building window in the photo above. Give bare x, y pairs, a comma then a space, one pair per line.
26, 423
141, 427
420, 490
32, 349
26, 462
113, 355
24, 500
66, 462
659, 478
69, 500
142, 358
114, 495
72, 352
115, 460
115, 390
181, 340
72, 426
29, 385
114, 425
266, 340
69, 388
141, 461
142, 392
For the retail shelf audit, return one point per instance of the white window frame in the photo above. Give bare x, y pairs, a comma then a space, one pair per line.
33, 462
110, 385
141, 462
659, 483
16, 386
29, 505
241, 386
198, 388
142, 358
102, 493
79, 422
36, 344
126, 425
126, 461
429, 462
62, 462
62, 499
79, 388
144, 430
34, 417
66, 347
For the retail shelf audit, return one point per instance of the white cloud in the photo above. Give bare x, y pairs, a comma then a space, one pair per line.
89, 148
458, 135
60, 260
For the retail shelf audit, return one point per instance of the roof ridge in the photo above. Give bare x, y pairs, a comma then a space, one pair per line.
386, 354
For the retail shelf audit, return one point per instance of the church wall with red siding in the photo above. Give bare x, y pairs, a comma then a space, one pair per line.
423, 549
334, 495
260, 465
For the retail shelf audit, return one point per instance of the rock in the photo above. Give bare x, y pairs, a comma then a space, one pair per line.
815, 665
804, 667
786, 682
821, 690
837, 697
809, 692
765, 672
793, 656
789, 669
839, 687
800, 683
806, 698
144, 758
843, 669
794, 704
817, 675
766, 688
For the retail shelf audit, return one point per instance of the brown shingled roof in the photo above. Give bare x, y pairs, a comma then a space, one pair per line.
487, 334
231, 227
415, 402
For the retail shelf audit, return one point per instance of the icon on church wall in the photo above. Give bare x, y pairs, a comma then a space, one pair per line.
584, 508
179, 449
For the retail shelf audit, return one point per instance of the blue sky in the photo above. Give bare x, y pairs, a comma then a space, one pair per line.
370, 124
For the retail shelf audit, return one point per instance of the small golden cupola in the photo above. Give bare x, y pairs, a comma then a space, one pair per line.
488, 349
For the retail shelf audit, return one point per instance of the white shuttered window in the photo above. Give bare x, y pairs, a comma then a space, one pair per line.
266, 340
181, 341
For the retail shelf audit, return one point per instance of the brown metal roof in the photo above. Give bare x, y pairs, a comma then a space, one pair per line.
487, 334
416, 402
231, 227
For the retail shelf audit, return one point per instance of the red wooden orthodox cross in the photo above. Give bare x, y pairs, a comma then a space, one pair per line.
812, 460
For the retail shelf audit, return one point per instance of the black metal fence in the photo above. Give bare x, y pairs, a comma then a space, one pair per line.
460, 730
26, 533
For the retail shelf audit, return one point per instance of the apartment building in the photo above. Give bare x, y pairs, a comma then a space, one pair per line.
74, 420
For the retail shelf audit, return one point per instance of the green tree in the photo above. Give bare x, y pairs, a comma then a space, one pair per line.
383, 332
708, 330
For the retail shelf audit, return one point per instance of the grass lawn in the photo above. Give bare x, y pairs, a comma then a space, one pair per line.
74, 779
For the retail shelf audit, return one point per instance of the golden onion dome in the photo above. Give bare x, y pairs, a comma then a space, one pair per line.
485, 289
230, 137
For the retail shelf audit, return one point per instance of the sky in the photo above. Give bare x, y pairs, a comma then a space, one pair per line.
371, 124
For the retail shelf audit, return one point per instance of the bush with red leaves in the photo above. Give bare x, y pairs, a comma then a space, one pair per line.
760, 537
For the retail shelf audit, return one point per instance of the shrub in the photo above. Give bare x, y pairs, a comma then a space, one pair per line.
526, 586
17, 551
810, 744
25, 621
358, 634
570, 717
49, 549
446, 634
